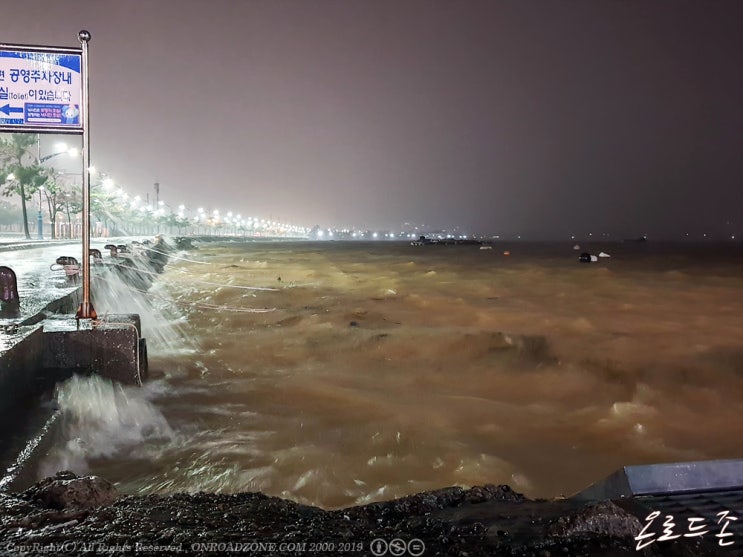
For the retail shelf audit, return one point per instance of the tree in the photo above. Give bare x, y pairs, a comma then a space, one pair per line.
20, 178
72, 204
179, 222
102, 204
58, 196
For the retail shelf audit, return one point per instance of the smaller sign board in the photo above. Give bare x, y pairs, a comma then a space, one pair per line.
40, 89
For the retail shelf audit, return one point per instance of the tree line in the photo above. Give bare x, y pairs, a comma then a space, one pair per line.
23, 175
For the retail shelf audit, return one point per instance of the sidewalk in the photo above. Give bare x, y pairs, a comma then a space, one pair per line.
39, 287
41, 283
9, 243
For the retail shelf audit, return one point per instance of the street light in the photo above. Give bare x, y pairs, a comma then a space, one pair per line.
61, 149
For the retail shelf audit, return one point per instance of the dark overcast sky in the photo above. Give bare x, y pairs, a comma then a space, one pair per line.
539, 117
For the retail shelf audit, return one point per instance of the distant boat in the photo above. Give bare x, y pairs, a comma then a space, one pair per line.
642, 238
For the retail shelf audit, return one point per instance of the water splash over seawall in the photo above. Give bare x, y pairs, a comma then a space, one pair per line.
161, 317
101, 419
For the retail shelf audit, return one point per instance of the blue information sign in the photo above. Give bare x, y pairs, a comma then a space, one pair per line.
40, 89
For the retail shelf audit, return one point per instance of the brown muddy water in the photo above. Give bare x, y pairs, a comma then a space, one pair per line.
344, 373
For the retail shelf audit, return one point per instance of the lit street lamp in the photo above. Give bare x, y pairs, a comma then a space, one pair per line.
61, 149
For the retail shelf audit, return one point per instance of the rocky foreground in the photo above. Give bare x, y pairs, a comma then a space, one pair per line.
70, 515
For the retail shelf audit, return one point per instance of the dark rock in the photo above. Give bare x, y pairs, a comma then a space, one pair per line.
485, 520
67, 491
603, 517
479, 494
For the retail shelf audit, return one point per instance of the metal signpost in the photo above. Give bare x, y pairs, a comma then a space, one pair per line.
46, 90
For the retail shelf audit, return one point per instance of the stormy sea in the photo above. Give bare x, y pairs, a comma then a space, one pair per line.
336, 374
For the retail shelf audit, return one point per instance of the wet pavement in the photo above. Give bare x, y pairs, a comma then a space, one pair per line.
40, 280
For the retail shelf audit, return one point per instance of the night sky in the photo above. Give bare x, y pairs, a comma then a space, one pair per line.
542, 118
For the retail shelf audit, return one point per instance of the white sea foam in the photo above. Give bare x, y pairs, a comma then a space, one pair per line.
102, 419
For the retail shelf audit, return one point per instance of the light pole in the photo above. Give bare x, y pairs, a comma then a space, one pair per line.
86, 310
40, 223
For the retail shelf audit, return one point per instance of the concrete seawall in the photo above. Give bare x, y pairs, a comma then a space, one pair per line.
23, 382
22, 351
48, 344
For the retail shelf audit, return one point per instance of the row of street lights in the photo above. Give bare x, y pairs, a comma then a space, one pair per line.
254, 224
201, 217
214, 219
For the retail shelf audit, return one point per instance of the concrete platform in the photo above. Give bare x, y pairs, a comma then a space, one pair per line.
679, 500
662, 479
111, 347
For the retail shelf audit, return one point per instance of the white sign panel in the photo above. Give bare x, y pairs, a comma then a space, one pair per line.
40, 89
